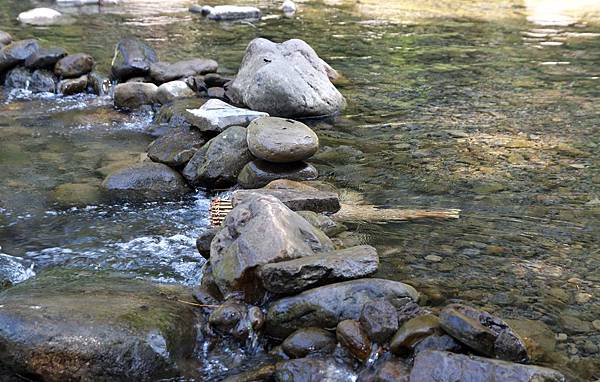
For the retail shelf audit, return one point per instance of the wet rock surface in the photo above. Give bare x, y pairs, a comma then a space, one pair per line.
280, 140
326, 306
259, 173
312, 370
145, 181
219, 162
483, 332
132, 58
74, 65
121, 330
72, 85
17, 53
216, 115
176, 147
444, 366
162, 72
379, 319
293, 276
307, 341
413, 331
353, 337
240, 247
265, 83
45, 58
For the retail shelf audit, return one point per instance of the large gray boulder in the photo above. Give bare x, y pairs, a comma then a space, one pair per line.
326, 306
145, 181
218, 163
162, 72
285, 80
296, 275
176, 147
132, 95
441, 366
16, 53
259, 231
216, 116
281, 140
132, 58
83, 326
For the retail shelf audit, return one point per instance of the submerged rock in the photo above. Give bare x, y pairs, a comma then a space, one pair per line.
300, 274
17, 53
307, 341
265, 82
176, 147
72, 85
216, 115
259, 173
241, 246
132, 58
173, 90
145, 181
483, 333
442, 366
132, 95
74, 65
81, 326
352, 336
280, 140
322, 222
231, 12
236, 318
218, 163
76, 194
39, 16
326, 306
45, 58
162, 72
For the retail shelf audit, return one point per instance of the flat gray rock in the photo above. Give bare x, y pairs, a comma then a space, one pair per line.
326, 306
162, 72
441, 366
294, 276
216, 115
231, 12
296, 200
39, 16
45, 58
281, 140
259, 173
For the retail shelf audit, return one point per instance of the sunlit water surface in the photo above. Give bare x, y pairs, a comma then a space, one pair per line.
489, 106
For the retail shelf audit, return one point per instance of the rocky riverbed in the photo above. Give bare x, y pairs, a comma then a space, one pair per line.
129, 141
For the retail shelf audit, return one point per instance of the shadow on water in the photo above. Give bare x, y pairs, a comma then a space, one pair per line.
490, 107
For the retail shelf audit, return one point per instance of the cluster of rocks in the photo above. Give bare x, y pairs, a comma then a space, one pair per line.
322, 315
220, 145
24, 64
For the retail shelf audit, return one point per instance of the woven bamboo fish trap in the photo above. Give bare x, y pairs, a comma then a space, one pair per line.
218, 210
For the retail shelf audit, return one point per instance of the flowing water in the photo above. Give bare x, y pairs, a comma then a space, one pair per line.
491, 107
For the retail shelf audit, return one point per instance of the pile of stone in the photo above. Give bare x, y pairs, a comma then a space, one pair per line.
322, 315
24, 64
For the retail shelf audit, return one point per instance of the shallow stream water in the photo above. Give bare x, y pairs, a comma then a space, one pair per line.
491, 107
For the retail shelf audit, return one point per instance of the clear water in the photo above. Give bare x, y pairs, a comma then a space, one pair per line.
486, 106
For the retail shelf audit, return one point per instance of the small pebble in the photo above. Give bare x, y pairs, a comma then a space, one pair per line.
583, 298
561, 337
596, 324
433, 258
